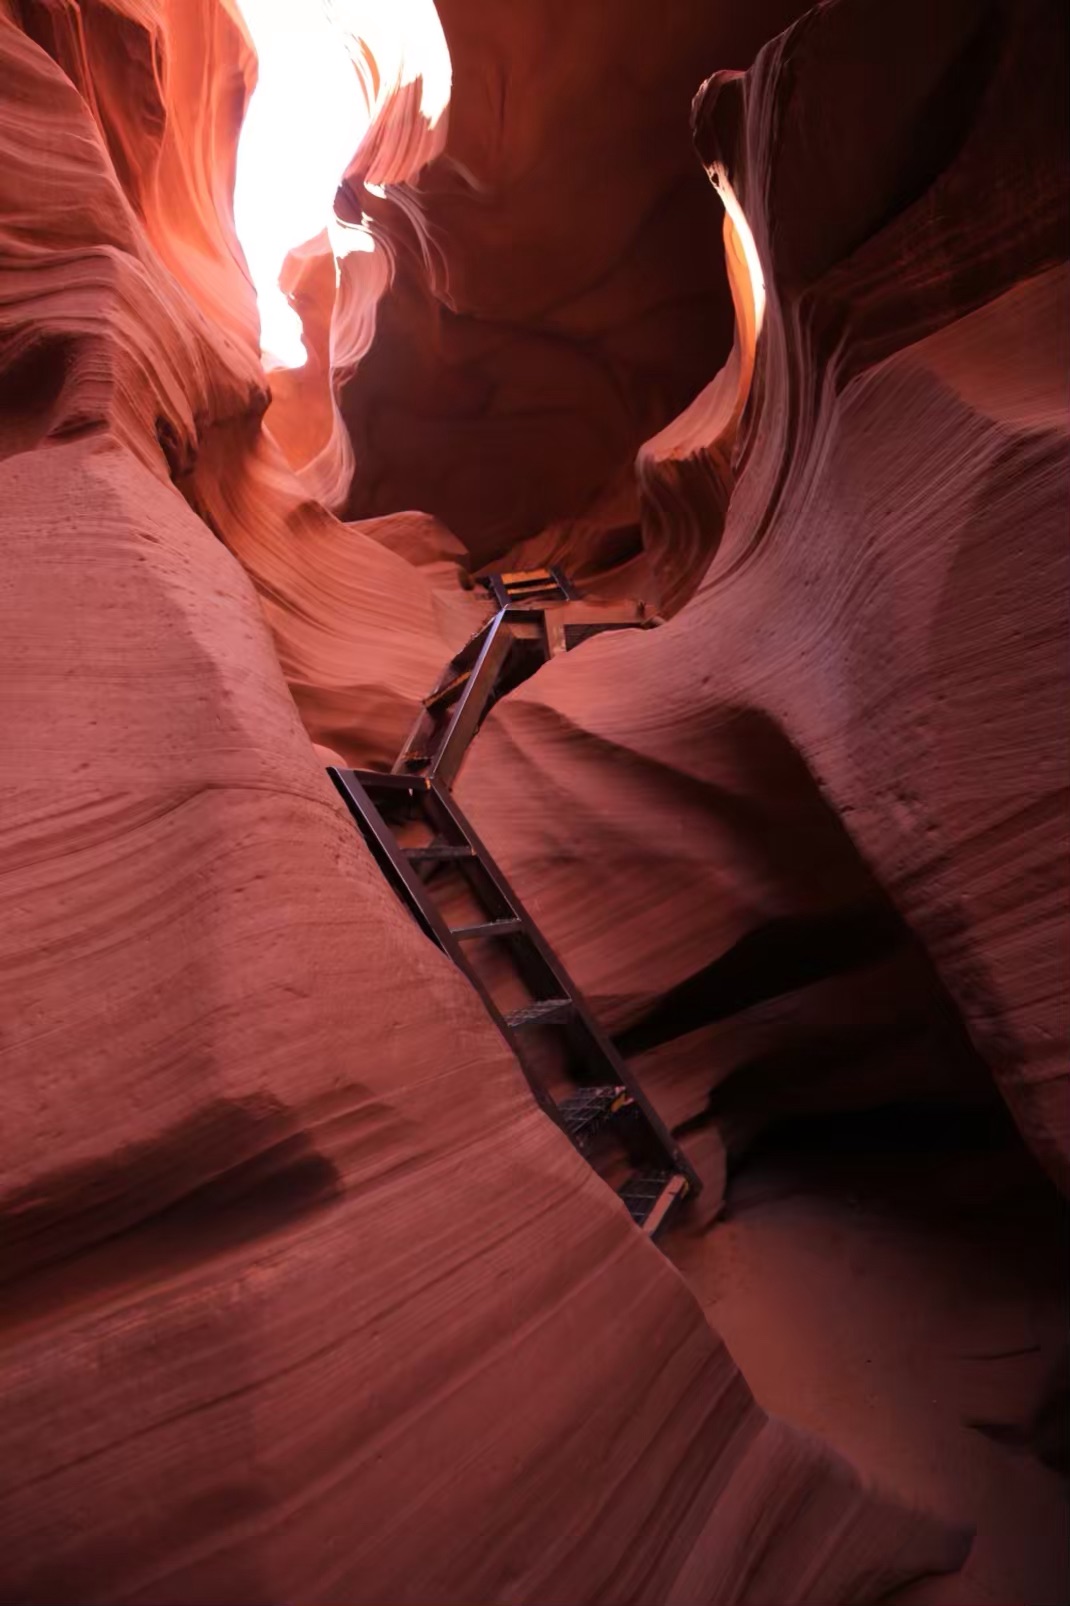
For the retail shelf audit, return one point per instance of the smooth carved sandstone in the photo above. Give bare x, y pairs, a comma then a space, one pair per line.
302, 1297
864, 700
573, 297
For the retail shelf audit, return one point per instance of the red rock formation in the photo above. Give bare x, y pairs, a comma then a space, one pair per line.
303, 1299
792, 841
575, 299
882, 628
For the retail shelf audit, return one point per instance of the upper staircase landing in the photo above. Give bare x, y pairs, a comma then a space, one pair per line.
530, 586
539, 615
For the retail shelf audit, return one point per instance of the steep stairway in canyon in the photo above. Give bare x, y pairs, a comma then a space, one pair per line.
305, 1297
538, 615
432, 857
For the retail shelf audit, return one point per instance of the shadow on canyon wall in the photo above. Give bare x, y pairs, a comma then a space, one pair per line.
234, 1172
835, 1006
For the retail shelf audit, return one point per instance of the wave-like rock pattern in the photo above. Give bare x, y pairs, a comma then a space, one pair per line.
565, 295
863, 704
303, 1299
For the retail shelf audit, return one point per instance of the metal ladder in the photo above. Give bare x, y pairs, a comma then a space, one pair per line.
421, 839
539, 615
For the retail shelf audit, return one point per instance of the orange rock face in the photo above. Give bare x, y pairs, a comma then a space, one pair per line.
575, 298
882, 626
302, 1297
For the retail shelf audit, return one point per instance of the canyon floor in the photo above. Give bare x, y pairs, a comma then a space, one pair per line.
897, 1284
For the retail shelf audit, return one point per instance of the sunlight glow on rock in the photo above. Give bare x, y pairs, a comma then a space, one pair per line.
720, 181
325, 69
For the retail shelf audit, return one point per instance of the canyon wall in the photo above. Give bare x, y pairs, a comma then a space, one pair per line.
571, 297
302, 1298
829, 798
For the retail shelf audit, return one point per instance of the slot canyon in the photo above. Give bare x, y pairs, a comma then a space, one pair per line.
636, 434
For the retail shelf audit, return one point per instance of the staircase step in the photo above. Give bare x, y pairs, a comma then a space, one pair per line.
546, 1012
527, 585
583, 1112
650, 1195
448, 693
437, 852
387, 786
490, 928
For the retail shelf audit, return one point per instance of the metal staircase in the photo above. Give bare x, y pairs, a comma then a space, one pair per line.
538, 615
429, 852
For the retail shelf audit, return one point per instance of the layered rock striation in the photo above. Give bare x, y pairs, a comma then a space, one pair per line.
850, 740
302, 1296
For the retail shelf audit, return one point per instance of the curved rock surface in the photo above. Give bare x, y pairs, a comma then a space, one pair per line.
302, 1297
858, 719
573, 296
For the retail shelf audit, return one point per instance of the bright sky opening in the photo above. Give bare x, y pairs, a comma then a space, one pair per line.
304, 123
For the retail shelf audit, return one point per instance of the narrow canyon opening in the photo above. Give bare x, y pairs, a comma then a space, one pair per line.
324, 72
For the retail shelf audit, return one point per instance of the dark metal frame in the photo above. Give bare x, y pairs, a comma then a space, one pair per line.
439, 753
534, 959
469, 685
